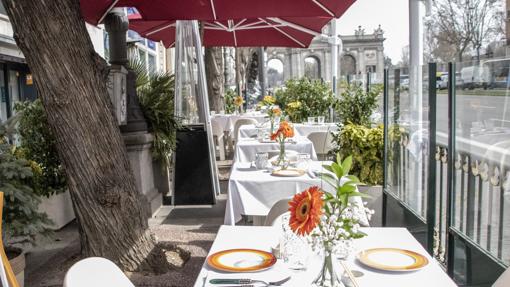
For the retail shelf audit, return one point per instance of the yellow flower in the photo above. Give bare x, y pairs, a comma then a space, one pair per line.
238, 101
269, 100
294, 105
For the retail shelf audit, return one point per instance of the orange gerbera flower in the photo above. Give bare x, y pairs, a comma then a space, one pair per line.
277, 112
306, 210
285, 129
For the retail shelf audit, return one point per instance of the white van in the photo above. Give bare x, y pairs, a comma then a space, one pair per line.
474, 77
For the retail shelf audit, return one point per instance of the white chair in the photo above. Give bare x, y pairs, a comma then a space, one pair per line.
503, 280
219, 136
322, 143
242, 122
97, 272
280, 208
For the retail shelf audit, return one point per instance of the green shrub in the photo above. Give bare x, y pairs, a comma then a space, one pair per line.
303, 98
230, 107
366, 145
21, 219
38, 146
156, 92
356, 105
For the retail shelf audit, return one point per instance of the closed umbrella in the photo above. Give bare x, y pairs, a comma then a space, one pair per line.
272, 31
94, 11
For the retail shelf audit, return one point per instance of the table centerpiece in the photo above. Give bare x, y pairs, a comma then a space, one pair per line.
285, 131
238, 102
330, 221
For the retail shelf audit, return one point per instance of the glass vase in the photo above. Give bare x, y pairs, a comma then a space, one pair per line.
329, 275
282, 161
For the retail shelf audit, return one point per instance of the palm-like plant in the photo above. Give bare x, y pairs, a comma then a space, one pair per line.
156, 92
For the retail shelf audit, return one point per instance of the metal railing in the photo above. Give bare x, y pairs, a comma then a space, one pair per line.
464, 199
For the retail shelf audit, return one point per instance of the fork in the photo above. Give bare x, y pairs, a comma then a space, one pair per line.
247, 282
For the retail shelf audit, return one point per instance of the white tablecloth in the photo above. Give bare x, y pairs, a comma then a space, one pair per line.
247, 148
228, 121
254, 192
264, 238
306, 129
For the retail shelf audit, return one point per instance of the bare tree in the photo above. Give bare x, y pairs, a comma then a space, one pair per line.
214, 71
462, 24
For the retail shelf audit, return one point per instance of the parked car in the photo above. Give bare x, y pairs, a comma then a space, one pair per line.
442, 81
404, 82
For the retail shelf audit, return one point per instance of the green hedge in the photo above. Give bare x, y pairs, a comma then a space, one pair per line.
315, 98
38, 146
366, 145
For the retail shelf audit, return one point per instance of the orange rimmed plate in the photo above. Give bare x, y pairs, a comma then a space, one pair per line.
241, 260
393, 259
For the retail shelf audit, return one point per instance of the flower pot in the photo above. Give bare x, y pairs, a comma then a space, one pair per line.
374, 202
17, 260
59, 209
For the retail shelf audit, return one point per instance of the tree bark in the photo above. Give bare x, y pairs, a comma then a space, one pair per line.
215, 78
71, 81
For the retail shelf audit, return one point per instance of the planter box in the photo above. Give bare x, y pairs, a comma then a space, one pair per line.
18, 265
374, 202
59, 209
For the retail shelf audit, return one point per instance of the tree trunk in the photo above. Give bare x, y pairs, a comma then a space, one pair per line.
215, 78
71, 81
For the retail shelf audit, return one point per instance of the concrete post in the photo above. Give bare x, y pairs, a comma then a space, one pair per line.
335, 43
416, 14
137, 139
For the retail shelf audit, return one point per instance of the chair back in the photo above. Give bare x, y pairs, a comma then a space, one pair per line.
97, 272
242, 122
322, 142
503, 280
274, 217
7, 276
217, 129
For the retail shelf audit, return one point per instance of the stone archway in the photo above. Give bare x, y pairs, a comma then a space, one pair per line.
348, 65
312, 67
274, 73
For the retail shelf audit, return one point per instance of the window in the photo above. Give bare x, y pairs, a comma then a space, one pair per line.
371, 69
152, 63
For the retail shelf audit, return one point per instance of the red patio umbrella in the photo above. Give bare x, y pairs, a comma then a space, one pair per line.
272, 31
94, 11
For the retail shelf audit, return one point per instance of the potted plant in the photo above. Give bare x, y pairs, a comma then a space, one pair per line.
37, 144
21, 219
303, 98
156, 93
358, 136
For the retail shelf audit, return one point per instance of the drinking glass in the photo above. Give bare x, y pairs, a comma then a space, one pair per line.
294, 250
303, 161
261, 160
311, 120
320, 120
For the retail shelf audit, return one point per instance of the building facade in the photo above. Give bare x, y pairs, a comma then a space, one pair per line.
17, 84
361, 53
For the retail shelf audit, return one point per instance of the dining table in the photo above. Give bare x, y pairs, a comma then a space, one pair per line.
303, 129
253, 191
266, 238
247, 148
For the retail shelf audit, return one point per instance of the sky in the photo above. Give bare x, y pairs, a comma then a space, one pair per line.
393, 15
